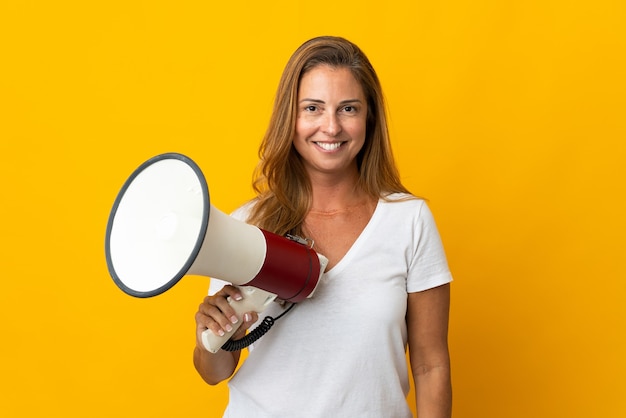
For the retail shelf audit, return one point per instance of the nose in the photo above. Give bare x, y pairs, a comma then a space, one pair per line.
331, 126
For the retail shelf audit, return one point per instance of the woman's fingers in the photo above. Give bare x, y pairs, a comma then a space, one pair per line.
249, 318
216, 314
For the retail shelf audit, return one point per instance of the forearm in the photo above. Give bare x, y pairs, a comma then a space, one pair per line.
216, 314
214, 368
433, 393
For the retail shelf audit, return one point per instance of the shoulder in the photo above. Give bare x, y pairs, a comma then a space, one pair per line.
402, 202
407, 208
242, 213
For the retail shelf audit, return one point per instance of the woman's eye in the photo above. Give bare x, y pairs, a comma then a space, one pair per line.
310, 108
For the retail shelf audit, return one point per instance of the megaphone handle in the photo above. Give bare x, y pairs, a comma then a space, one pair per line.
254, 299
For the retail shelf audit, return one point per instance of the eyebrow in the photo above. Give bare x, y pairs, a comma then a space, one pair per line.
323, 102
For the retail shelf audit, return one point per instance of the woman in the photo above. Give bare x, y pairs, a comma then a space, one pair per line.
327, 173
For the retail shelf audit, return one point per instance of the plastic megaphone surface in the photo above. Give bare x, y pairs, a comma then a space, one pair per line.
162, 227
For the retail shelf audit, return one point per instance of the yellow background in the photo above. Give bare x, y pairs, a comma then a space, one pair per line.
508, 115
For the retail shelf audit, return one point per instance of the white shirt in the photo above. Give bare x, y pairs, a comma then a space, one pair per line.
341, 353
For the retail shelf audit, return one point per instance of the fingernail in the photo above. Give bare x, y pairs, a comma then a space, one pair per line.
220, 333
238, 297
247, 317
228, 328
234, 319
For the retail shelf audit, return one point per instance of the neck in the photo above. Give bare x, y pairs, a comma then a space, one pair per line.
332, 194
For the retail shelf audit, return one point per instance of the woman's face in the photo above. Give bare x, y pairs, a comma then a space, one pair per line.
330, 126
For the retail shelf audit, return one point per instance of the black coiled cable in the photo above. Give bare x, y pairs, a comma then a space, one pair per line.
255, 334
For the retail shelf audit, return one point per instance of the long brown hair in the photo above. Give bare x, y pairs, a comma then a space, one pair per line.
282, 185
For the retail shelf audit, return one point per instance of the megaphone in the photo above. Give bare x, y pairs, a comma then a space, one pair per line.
162, 227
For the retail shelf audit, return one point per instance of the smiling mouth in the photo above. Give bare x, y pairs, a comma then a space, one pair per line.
329, 146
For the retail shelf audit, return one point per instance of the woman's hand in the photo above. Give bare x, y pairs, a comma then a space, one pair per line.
216, 314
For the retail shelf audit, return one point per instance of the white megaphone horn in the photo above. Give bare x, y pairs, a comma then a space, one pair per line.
163, 227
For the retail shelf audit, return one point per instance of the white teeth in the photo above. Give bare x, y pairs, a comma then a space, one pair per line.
329, 146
